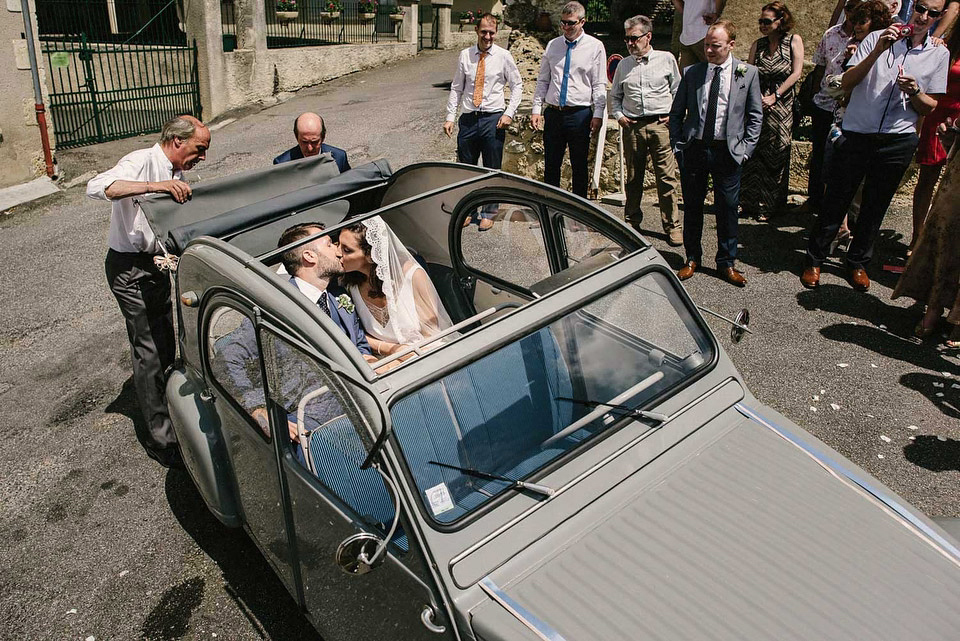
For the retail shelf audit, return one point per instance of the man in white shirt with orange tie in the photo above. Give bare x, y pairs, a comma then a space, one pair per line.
477, 89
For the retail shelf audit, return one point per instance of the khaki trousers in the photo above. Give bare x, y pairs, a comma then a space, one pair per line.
649, 136
691, 54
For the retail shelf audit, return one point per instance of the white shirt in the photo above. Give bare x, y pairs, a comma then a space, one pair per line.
644, 86
129, 231
694, 28
726, 80
499, 70
587, 85
309, 290
877, 105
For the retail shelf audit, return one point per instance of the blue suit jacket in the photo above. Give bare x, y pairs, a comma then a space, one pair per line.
349, 322
294, 153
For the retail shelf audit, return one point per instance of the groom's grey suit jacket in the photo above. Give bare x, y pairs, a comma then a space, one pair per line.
744, 109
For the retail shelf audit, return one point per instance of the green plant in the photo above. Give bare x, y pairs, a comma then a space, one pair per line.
331, 6
368, 6
468, 15
286, 5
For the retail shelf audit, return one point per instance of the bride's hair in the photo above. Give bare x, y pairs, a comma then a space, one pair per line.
356, 279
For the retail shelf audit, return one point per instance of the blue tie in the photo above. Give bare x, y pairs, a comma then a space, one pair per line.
566, 73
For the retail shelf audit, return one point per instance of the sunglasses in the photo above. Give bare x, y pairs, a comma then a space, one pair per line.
765, 22
632, 39
933, 13
570, 23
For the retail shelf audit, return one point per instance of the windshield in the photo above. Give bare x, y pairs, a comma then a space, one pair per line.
517, 409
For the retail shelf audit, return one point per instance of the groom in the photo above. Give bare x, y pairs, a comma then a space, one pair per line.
715, 124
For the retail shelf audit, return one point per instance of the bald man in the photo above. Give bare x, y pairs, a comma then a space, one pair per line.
141, 287
310, 132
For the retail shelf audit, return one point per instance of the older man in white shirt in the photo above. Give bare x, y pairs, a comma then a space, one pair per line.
483, 71
643, 89
570, 98
141, 288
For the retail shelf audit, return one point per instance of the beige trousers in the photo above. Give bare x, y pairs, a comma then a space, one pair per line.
645, 137
691, 54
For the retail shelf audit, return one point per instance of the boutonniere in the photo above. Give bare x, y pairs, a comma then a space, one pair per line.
344, 302
740, 71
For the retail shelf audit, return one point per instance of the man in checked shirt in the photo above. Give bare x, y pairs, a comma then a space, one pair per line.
477, 88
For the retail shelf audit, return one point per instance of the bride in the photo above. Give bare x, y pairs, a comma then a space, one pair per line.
396, 302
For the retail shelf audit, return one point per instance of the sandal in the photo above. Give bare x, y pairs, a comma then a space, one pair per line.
923, 328
954, 340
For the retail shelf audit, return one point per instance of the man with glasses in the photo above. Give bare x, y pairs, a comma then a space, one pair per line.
571, 94
643, 89
477, 87
894, 81
697, 16
829, 58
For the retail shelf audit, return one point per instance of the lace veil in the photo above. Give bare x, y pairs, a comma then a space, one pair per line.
415, 312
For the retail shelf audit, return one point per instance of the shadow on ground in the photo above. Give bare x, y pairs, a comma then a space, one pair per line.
249, 579
933, 454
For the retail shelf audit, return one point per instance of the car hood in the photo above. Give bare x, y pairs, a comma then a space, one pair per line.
753, 537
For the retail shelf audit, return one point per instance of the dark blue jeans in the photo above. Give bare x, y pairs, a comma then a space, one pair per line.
560, 130
879, 160
822, 119
697, 162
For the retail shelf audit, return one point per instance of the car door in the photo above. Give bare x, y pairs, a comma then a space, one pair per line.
331, 500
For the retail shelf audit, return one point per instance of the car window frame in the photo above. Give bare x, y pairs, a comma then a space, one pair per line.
526, 329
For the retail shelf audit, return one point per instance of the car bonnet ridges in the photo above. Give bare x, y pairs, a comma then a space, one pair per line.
527, 618
938, 542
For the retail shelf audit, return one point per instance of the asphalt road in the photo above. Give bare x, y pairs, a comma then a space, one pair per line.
98, 542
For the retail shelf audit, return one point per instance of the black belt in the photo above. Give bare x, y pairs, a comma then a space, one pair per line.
568, 107
478, 112
647, 119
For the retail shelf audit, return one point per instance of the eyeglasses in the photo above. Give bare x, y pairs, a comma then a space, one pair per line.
633, 39
933, 13
765, 22
570, 23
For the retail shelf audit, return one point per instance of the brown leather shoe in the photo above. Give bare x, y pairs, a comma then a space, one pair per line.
733, 277
687, 270
859, 279
810, 277
675, 237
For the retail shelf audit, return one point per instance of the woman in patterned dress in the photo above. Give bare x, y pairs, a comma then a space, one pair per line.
779, 57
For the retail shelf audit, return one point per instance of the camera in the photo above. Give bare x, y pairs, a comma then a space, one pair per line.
905, 30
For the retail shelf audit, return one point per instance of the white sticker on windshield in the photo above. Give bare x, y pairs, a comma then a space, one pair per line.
439, 498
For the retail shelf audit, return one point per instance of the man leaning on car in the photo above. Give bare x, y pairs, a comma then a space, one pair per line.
141, 287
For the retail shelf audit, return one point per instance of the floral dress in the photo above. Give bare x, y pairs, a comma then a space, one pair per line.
766, 174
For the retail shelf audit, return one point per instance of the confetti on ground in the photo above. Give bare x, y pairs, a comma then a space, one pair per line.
885, 439
939, 394
913, 438
823, 391
124, 573
912, 427
834, 406
873, 365
879, 455
880, 326
816, 397
843, 364
942, 438
938, 384
871, 416
72, 611
947, 374
813, 409
91, 638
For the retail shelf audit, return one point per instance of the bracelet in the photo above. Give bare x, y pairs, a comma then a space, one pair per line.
776, 93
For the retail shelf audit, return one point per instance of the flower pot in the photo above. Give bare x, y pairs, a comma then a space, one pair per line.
396, 17
287, 16
329, 16
367, 16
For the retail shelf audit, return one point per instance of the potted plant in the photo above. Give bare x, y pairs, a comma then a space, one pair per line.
397, 15
467, 17
287, 10
367, 9
330, 10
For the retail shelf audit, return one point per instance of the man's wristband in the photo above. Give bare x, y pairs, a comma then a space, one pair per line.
917, 92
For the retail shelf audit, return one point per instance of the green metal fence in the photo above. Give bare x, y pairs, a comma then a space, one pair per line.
116, 68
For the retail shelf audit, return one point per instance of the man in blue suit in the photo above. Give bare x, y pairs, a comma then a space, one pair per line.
310, 132
715, 124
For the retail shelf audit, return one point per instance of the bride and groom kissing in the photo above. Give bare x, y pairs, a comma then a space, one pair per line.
367, 282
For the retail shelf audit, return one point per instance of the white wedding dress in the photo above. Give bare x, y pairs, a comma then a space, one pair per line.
411, 313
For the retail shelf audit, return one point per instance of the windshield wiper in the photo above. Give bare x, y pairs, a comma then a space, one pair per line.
628, 411
514, 484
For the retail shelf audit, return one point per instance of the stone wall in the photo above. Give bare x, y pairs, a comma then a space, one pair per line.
21, 153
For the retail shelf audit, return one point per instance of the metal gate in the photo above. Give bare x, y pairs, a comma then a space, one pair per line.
429, 28
116, 68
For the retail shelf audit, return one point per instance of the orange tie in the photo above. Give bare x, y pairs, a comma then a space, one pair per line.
478, 85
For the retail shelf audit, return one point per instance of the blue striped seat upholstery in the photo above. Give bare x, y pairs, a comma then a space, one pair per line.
337, 453
492, 416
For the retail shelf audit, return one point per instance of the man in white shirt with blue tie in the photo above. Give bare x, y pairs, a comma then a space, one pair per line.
570, 98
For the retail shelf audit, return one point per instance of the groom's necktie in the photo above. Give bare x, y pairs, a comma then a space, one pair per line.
478, 85
710, 121
566, 73
324, 304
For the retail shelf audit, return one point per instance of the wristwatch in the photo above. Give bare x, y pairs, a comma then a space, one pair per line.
917, 92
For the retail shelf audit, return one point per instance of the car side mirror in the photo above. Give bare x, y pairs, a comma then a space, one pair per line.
357, 555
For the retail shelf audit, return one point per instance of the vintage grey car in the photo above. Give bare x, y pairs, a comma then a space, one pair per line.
576, 458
